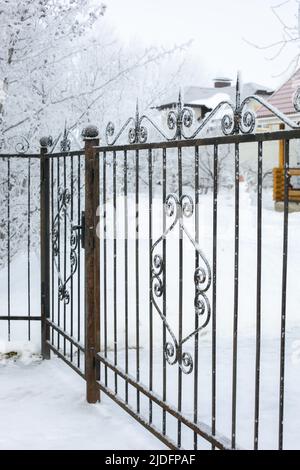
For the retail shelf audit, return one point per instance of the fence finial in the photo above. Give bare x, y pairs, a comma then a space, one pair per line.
238, 90
180, 99
46, 141
65, 144
137, 111
90, 132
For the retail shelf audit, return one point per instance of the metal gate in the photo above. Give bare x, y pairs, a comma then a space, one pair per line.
140, 266
160, 290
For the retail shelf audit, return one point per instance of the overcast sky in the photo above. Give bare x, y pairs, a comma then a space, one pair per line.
217, 28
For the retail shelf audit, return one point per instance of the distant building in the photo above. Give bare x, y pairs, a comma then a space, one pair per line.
281, 99
204, 99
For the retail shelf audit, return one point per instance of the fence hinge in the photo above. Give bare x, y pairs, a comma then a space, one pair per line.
81, 228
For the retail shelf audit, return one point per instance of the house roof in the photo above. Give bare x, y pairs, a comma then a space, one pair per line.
201, 96
282, 98
191, 95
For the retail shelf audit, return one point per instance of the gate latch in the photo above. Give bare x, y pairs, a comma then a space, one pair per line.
81, 228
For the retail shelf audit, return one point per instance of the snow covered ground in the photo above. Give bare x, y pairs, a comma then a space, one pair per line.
63, 406
42, 406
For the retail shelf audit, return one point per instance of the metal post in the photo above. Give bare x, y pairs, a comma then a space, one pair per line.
45, 245
281, 149
92, 264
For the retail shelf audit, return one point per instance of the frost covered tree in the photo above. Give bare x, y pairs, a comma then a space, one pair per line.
287, 12
60, 63
40, 42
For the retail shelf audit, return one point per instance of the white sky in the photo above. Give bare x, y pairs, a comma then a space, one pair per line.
217, 28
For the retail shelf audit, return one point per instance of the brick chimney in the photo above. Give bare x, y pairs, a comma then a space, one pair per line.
222, 82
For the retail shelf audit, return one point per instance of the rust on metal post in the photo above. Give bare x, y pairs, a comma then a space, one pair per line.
45, 142
92, 264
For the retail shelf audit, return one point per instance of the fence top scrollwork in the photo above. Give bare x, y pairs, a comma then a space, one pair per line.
237, 118
19, 144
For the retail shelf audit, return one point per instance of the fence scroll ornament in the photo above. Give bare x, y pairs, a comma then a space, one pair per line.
64, 199
237, 118
179, 209
19, 143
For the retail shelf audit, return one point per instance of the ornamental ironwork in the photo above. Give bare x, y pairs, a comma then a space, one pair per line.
19, 143
64, 199
237, 118
65, 143
179, 209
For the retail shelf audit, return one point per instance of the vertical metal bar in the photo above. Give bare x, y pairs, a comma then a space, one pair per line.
79, 222
258, 294
8, 247
137, 299
164, 197
196, 344
65, 251
96, 244
45, 247
104, 260
52, 253
72, 281
126, 267
58, 241
150, 282
180, 296
115, 267
236, 293
284, 287
92, 264
28, 246
214, 289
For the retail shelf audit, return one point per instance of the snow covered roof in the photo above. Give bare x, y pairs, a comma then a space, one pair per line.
210, 96
212, 101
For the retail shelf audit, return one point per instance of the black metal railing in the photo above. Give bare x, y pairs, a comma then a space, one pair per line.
65, 322
146, 287
144, 270
19, 200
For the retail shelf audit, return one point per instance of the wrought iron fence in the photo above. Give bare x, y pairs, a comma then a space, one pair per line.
130, 299
19, 235
65, 265
140, 381
143, 268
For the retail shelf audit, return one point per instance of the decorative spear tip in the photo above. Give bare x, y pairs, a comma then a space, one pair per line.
238, 90
238, 79
137, 107
180, 96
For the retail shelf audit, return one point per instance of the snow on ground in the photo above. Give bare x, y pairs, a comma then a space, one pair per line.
58, 395
42, 406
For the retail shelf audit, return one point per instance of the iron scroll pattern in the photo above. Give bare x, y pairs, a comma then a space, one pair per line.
179, 209
19, 143
237, 118
64, 199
